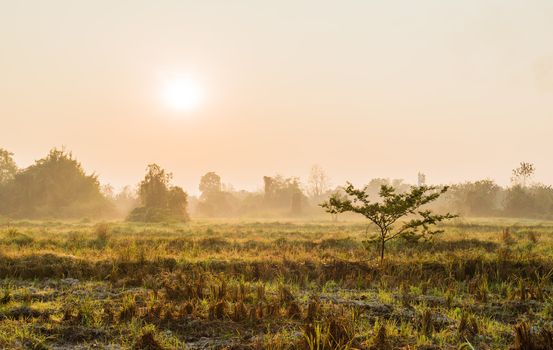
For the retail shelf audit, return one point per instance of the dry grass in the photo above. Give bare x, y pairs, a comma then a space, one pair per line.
263, 285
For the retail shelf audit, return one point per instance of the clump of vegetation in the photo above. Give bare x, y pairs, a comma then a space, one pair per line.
334, 330
148, 339
160, 201
380, 340
528, 339
55, 186
468, 326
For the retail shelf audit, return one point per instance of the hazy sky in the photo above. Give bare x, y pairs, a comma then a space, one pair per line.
460, 90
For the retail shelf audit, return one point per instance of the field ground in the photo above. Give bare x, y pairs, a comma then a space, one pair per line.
273, 285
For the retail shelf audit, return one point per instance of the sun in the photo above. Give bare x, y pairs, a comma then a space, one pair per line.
182, 94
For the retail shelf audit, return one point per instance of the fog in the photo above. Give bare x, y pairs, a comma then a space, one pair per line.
460, 91
57, 187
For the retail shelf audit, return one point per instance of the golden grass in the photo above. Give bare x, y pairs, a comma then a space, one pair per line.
285, 285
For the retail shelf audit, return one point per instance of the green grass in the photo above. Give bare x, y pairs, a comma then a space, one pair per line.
272, 285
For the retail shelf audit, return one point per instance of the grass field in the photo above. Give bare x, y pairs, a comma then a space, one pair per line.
273, 285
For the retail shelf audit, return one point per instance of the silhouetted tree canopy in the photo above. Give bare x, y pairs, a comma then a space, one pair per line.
210, 183
160, 201
395, 215
154, 189
54, 187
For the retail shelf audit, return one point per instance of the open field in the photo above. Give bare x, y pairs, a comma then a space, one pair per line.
273, 285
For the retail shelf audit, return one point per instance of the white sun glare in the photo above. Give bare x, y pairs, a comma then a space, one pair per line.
182, 94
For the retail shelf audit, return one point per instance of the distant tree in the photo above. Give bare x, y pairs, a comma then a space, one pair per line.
8, 168
269, 188
214, 201
55, 186
390, 209
153, 189
519, 202
318, 181
178, 203
543, 200
160, 201
210, 183
281, 193
479, 198
523, 173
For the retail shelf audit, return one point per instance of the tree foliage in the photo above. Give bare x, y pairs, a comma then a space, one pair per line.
386, 214
160, 201
55, 186
214, 201
478, 198
8, 168
522, 174
154, 189
281, 192
210, 183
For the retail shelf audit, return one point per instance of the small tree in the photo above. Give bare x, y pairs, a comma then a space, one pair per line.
318, 181
523, 173
392, 207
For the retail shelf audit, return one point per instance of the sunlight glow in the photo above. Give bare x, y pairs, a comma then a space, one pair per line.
182, 94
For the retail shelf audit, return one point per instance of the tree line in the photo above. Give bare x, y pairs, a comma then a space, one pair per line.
523, 198
57, 186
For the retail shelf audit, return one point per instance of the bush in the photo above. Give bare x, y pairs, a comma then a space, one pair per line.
160, 202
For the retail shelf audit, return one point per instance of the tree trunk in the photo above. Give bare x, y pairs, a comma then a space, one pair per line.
382, 242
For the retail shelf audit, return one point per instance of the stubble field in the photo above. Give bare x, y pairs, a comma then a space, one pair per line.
482, 284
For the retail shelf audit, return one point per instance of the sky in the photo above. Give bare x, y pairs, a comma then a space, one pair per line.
459, 90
